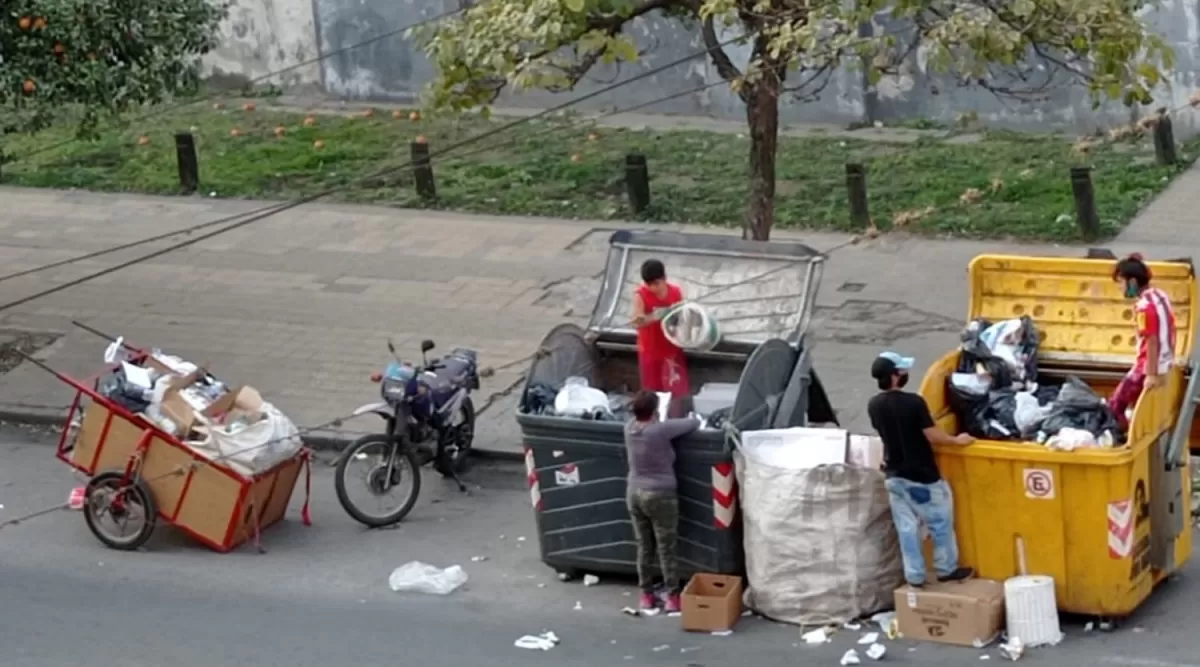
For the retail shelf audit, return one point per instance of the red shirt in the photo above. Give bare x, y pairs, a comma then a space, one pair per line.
652, 342
1155, 319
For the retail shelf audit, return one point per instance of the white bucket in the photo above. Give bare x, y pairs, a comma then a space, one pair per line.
1032, 610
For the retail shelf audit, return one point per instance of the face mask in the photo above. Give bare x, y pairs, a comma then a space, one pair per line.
1131, 289
903, 380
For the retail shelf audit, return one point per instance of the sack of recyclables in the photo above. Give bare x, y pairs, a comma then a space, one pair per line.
232, 425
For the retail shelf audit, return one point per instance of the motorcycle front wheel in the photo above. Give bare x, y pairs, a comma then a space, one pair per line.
374, 451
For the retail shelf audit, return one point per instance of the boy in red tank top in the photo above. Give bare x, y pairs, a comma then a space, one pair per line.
663, 366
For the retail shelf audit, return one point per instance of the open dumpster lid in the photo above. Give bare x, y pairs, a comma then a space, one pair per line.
756, 290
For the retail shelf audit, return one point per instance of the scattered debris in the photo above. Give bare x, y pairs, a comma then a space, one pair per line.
674, 614
542, 585
721, 633
649, 612
418, 577
852, 625
985, 657
1138, 629
630, 611
563, 576
578, 606
689, 649
660, 648
1013, 648
543, 642
886, 620
850, 658
818, 636
590, 580
1106, 626
876, 651
1089, 626
478, 559
745, 614
869, 638
520, 539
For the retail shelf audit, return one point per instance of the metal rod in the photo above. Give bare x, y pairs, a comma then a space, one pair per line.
99, 333
789, 259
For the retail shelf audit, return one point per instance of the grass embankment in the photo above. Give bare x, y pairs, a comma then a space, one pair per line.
1001, 185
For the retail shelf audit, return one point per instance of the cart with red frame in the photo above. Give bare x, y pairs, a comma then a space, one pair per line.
140, 474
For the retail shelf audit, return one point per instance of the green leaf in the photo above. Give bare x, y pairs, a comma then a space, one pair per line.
574, 5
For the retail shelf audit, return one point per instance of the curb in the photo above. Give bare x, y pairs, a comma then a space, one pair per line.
321, 441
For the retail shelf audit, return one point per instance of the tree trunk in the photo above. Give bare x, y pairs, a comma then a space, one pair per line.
762, 115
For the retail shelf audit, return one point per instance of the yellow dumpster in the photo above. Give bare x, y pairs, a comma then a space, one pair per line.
1106, 524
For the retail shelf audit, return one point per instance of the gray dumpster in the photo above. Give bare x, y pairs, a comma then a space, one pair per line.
762, 294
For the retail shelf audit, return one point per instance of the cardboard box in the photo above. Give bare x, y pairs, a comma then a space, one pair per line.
238, 401
966, 613
712, 602
865, 451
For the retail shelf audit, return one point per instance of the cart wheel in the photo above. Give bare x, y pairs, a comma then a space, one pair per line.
121, 518
1108, 623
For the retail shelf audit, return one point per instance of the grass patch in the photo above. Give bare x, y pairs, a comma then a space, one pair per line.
555, 169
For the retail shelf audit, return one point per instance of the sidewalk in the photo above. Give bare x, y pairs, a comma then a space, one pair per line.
301, 304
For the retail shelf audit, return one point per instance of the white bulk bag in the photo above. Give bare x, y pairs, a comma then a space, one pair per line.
820, 544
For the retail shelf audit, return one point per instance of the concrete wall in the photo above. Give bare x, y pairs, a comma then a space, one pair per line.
394, 69
264, 36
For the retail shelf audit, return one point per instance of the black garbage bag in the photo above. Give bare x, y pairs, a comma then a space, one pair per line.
1046, 393
120, 391
538, 399
976, 353
990, 415
1078, 406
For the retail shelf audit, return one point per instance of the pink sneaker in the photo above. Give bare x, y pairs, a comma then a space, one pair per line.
648, 601
673, 606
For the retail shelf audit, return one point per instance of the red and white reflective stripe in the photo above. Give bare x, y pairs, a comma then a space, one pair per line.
535, 489
724, 493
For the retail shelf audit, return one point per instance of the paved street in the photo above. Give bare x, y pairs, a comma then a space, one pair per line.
320, 596
300, 304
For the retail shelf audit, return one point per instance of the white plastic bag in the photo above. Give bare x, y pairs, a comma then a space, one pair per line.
1028, 414
250, 448
418, 577
576, 400
1070, 439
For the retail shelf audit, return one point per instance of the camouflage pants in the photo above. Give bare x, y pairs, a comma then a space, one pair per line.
655, 516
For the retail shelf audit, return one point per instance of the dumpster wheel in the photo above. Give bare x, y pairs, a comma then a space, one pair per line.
1108, 624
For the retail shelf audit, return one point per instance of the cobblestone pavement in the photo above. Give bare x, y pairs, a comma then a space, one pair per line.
300, 305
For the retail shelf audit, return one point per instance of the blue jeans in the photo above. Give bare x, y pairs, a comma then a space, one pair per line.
931, 504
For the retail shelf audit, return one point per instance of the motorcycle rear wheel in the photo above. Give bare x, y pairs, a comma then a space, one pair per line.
406, 463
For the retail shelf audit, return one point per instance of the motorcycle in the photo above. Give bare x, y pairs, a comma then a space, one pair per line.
429, 417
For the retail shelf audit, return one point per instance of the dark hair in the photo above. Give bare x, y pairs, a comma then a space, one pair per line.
653, 270
645, 404
1133, 268
885, 382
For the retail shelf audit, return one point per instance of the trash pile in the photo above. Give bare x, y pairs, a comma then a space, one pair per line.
213, 419
577, 399
996, 393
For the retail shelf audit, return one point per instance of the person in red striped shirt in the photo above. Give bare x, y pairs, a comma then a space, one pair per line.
1155, 321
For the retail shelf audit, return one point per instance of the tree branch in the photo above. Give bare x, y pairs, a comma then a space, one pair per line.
720, 59
612, 23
